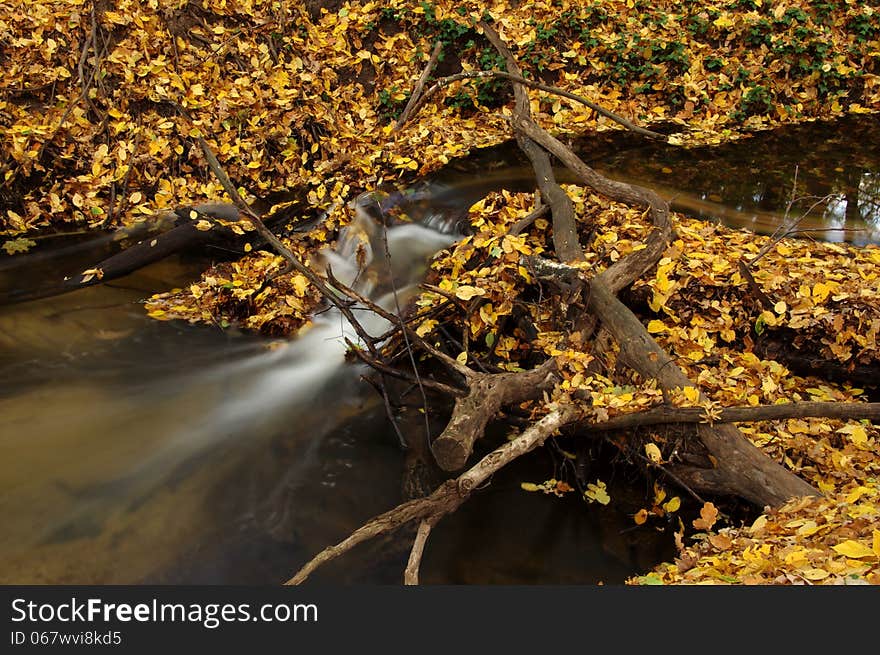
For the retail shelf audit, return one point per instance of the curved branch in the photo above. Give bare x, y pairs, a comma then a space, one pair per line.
411, 573
519, 79
565, 232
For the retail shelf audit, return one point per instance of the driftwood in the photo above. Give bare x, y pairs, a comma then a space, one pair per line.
447, 498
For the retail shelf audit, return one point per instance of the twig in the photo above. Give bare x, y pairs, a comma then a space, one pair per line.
383, 391
399, 313
420, 85
382, 367
528, 219
565, 232
411, 574
391, 318
788, 228
446, 81
672, 475
276, 243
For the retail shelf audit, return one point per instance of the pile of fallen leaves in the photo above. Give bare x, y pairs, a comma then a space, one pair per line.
101, 102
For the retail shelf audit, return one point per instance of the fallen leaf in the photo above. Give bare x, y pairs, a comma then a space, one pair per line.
708, 516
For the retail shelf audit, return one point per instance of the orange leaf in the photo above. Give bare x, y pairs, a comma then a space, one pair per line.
708, 516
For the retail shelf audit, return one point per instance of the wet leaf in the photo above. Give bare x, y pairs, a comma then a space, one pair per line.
653, 453
18, 245
597, 492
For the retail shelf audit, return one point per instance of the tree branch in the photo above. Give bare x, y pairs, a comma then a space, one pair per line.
411, 573
565, 232
420, 85
519, 79
450, 495
665, 414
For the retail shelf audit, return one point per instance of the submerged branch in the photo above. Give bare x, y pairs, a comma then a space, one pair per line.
450, 495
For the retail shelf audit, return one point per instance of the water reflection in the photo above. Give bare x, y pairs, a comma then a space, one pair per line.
819, 180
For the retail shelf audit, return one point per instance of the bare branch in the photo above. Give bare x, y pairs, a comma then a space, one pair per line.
665, 414
565, 232
420, 85
276, 243
519, 79
382, 367
411, 574
450, 495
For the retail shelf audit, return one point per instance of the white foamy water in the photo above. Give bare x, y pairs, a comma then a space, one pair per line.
170, 420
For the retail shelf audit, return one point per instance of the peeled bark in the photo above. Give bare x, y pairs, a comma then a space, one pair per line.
487, 394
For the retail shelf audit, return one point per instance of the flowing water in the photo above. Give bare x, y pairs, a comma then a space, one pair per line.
137, 451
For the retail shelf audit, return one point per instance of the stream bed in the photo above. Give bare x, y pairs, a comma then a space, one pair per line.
137, 451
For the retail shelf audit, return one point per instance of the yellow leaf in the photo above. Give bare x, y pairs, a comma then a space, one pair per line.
808, 528
692, 394
653, 453
783, 250
426, 326
780, 307
758, 525
815, 574
466, 292
655, 327
857, 493
673, 504
597, 492
854, 549
300, 284
641, 516
820, 291
462, 357
529, 486
876, 545
856, 434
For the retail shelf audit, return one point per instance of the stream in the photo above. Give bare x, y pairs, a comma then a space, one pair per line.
133, 451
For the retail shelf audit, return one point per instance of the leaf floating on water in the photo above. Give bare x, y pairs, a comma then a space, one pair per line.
90, 274
597, 493
18, 245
